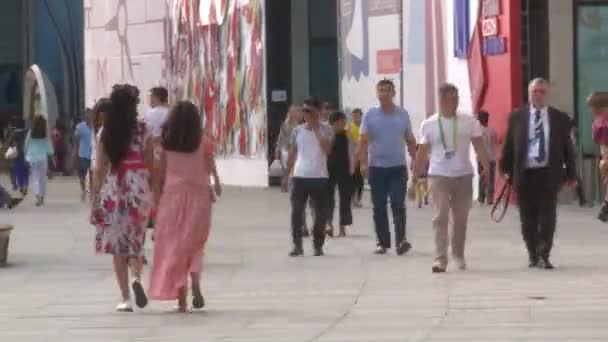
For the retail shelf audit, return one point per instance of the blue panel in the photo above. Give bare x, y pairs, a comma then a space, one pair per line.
416, 36
58, 39
461, 28
493, 46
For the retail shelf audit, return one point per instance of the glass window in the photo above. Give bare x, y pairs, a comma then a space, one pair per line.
592, 65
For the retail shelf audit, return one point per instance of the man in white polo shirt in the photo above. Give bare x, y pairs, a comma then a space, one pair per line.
446, 137
157, 115
311, 143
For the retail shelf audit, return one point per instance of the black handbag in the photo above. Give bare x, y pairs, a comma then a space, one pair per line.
503, 200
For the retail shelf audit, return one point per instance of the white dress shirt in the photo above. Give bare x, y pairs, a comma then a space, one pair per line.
544, 116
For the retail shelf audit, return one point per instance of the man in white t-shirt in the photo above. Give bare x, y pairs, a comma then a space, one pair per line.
157, 115
311, 143
446, 138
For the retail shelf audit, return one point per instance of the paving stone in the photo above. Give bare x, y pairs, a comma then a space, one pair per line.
56, 289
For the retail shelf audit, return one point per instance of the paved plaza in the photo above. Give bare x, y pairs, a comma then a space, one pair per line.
56, 289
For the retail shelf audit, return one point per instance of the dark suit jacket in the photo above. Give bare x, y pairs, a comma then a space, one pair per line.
561, 150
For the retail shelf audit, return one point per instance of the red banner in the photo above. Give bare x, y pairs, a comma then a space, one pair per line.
388, 61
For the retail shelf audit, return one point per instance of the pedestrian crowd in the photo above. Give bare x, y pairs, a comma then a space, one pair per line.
319, 155
158, 170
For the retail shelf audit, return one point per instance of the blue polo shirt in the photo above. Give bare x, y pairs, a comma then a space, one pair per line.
387, 132
83, 134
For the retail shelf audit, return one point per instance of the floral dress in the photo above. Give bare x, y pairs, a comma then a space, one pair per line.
122, 208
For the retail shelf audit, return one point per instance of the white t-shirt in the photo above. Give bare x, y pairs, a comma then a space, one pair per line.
311, 161
457, 162
155, 118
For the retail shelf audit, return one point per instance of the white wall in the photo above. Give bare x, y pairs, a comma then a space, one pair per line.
383, 35
128, 44
414, 77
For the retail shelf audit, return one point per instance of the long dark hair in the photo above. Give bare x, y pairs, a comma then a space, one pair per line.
102, 107
182, 132
39, 127
120, 123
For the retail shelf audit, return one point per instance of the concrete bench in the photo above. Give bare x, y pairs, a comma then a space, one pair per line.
5, 232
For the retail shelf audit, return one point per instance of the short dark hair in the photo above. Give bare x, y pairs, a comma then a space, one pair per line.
102, 106
447, 88
386, 82
39, 127
483, 117
336, 116
182, 132
160, 93
357, 110
313, 102
598, 99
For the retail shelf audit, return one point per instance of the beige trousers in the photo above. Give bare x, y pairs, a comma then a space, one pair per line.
453, 194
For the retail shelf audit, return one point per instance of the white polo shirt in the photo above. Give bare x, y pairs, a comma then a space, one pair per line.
459, 164
311, 161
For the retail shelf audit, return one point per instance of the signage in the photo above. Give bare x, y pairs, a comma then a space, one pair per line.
493, 46
490, 8
489, 27
383, 7
388, 61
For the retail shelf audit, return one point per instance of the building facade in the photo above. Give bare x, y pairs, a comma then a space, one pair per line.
245, 61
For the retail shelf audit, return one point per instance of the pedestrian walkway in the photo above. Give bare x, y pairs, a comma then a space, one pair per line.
56, 289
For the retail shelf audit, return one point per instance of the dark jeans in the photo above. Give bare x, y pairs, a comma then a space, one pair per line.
22, 174
358, 183
344, 184
304, 189
5, 197
538, 211
388, 182
487, 193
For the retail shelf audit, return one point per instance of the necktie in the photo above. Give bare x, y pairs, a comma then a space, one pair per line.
539, 130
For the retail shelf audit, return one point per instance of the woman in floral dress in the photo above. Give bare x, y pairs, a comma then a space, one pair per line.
122, 192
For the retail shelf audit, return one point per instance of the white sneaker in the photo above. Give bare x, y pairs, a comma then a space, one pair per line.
124, 307
461, 263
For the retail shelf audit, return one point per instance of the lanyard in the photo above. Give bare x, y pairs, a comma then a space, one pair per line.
454, 133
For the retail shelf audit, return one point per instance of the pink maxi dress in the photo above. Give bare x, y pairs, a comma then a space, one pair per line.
182, 223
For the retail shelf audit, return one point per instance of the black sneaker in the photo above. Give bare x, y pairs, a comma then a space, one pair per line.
14, 202
319, 251
403, 247
603, 215
438, 269
297, 251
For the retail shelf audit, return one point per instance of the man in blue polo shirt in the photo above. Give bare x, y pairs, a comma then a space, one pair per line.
385, 131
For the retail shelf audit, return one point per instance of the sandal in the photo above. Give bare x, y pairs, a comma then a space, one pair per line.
140, 295
198, 301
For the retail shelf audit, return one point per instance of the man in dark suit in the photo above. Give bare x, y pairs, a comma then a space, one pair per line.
537, 148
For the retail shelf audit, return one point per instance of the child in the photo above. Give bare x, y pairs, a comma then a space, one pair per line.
354, 133
422, 187
598, 103
486, 192
60, 149
20, 169
83, 134
38, 151
340, 167
184, 208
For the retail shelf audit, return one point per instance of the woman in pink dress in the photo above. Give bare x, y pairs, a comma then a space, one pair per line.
121, 192
184, 212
